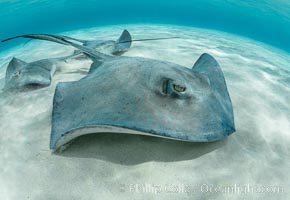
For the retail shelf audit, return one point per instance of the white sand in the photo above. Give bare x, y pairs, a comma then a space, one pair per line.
117, 166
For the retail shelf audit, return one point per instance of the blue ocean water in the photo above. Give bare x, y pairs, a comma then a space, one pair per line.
105, 166
263, 20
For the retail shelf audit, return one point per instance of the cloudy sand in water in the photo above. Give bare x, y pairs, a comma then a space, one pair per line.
106, 166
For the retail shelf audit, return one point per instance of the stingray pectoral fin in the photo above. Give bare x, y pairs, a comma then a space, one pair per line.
13, 70
123, 43
57, 117
94, 66
14, 65
209, 67
125, 36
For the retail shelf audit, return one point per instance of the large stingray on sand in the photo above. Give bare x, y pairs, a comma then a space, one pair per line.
143, 96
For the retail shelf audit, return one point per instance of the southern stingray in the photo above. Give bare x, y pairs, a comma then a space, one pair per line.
143, 96
117, 47
20, 74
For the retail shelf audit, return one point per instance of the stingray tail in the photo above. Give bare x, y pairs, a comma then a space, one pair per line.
149, 39
75, 54
65, 41
46, 37
70, 38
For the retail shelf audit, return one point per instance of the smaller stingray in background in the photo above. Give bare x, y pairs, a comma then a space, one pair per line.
108, 46
112, 47
143, 96
39, 73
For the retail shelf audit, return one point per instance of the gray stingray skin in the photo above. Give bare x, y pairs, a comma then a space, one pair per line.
20, 74
118, 47
127, 93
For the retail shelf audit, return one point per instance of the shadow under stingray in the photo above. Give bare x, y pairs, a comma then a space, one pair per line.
130, 149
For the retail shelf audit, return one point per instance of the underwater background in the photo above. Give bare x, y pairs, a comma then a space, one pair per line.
264, 20
249, 39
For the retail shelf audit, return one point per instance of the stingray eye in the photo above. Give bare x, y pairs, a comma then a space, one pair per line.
172, 88
17, 73
179, 88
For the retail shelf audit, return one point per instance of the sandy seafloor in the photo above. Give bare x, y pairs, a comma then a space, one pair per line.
121, 166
